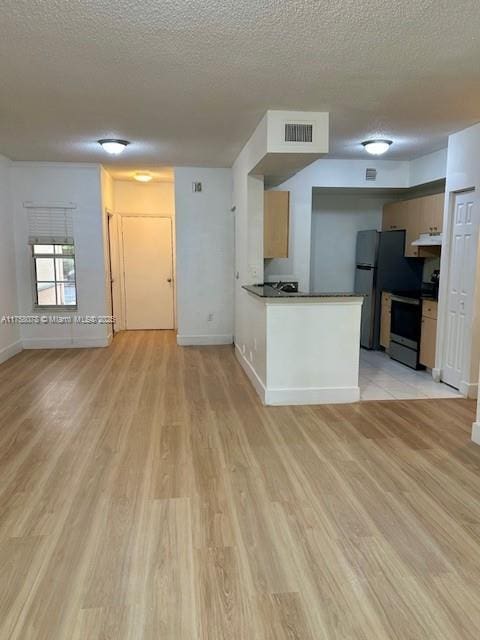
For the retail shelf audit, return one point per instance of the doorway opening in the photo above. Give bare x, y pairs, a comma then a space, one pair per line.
141, 250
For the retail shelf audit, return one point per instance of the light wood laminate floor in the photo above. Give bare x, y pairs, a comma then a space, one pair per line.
147, 494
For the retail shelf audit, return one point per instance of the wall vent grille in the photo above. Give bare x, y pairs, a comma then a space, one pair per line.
371, 174
295, 132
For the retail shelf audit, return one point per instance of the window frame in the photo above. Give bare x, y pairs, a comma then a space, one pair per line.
55, 282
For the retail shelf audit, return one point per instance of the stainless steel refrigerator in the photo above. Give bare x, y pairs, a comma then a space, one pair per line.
382, 266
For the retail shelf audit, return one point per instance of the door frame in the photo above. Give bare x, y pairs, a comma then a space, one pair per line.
172, 257
110, 266
468, 384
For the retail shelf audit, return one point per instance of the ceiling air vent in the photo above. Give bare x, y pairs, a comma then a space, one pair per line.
371, 174
295, 132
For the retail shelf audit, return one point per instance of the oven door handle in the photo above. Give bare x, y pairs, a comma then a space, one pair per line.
412, 301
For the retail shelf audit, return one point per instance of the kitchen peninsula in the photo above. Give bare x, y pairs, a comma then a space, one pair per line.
301, 348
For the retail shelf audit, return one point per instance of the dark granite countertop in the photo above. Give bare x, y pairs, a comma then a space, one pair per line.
264, 291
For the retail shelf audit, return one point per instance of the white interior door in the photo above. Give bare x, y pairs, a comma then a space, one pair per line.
148, 267
461, 283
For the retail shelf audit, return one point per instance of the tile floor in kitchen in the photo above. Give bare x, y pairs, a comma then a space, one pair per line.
384, 379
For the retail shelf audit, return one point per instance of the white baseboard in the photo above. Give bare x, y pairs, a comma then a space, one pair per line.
469, 389
65, 343
190, 341
476, 432
320, 395
436, 374
251, 373
11, 350
316, 395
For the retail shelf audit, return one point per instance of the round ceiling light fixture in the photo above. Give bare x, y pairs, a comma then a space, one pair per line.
377, 147
143, 176
113, 146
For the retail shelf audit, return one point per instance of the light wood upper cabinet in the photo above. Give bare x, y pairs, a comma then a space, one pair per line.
413, 225
416, 216
432, 213
276, 220
393, 216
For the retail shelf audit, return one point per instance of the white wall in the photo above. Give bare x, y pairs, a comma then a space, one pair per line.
463, 172
63, 182
248, 201
336, 220
288, 366
346, 174
151, 198
9, 333
428, 168
204, 247
106, 186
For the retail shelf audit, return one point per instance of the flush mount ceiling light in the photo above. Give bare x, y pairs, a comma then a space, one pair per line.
376, 147
113, 146
143, 176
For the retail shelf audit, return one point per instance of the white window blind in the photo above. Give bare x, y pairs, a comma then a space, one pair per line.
50, 224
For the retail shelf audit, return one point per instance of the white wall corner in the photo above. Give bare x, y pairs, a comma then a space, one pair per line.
469, 389
251, 374
476, 433
199, 340
11, 350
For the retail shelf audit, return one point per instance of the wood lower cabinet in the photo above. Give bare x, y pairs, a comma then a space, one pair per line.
385, 320
276, 217
429, 333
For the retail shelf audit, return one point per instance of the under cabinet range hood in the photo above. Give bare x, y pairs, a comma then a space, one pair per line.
428, 240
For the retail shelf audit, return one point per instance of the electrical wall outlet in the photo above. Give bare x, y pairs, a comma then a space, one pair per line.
210, 317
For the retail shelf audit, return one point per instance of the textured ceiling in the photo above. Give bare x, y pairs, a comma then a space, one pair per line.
187, 80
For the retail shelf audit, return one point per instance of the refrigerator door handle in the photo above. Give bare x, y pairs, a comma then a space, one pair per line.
365, 267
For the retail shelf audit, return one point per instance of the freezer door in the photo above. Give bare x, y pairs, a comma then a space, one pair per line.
364, 284
367, 246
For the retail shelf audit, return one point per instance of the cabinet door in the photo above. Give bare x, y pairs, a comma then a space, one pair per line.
431, 213
393, 216
276, 214
427, 342
435, 212
413, 215
385, 320
430, 309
